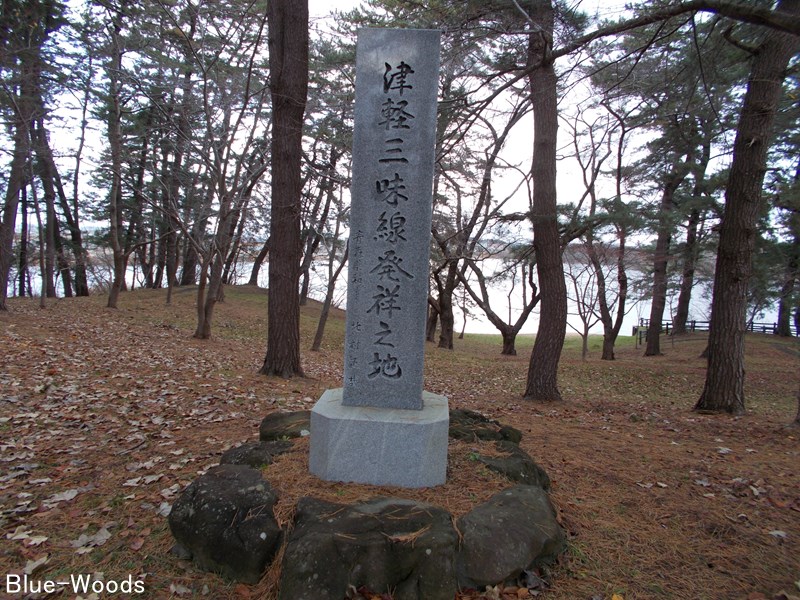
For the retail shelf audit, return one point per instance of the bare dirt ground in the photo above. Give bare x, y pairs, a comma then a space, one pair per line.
105, 415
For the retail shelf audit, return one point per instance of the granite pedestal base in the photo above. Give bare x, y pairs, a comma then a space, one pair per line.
379, 446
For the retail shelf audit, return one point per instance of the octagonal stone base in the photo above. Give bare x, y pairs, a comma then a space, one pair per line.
379, 446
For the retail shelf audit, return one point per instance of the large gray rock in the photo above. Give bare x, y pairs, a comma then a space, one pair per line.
282, 426
472, 426
516, 464
514, 530
255, 454
385, 544
225, 520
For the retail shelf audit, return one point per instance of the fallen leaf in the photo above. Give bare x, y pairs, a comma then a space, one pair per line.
171, 490
36, 540
136, 544
777, 533
33, 565
65, 496
180, 590
20, 533
86, 543
492, 592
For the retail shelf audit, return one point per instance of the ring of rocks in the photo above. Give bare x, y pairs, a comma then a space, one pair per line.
224, 523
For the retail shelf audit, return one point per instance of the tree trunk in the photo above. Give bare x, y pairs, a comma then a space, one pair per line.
797, 319
189, 267
509, 343
288, 66
314, 228
326, 305
48, 277
797, 418
792, 273
14, 183
257, 263
113, 71
177, 177
447, 322
446, 317
229, 214
160, 261
202, 331
191, 256
432, 321
724, 385
784, 325
542, 384
54, 190
150, 260
661, 257
81, 281
229, 273
37, 211
687, 276
171, 259
608, 347
22, 269
63, 263
612, 326
692, 250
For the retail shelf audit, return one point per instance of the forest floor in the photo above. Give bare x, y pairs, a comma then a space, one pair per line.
105, 415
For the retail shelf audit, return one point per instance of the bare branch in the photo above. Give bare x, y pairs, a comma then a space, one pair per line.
734, 10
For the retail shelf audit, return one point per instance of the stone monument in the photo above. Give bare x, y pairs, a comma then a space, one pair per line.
381, 427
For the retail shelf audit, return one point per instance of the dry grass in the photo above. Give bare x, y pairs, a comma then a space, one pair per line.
658, 501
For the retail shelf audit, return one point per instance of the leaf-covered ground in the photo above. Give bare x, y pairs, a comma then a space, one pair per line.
106, 415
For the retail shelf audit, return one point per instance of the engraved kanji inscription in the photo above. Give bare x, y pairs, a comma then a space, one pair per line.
395, 79
385, 366
391, 229
394, 152
389, 267
392, 189
385, 301
395, 115
383, 335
